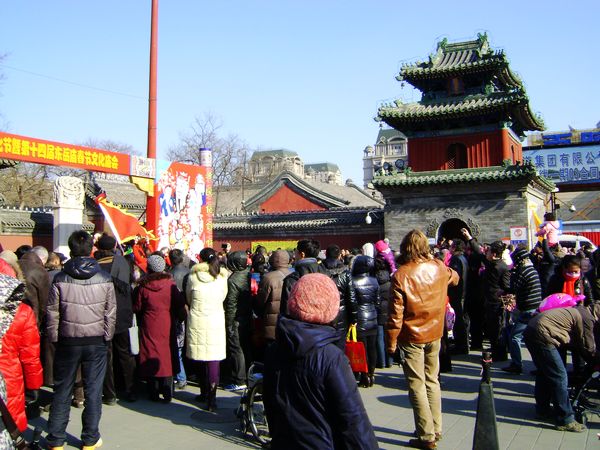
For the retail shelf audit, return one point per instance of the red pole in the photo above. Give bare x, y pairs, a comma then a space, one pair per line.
152, 93
152, 207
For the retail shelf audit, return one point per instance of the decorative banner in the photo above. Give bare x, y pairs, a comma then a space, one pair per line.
184, 203
570, 137
124, 226
39, 151
271, 246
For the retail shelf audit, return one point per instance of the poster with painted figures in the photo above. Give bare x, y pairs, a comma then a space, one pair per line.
185, 217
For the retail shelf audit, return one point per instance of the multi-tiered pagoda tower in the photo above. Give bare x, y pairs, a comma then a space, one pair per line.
464, 147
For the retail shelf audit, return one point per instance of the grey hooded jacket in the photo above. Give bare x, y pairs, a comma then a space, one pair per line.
81, 306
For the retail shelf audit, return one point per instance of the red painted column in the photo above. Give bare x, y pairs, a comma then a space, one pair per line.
152, 206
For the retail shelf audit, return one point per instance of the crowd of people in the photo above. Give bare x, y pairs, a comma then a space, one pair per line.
114, 317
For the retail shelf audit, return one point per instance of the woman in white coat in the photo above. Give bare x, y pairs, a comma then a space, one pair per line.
205, 291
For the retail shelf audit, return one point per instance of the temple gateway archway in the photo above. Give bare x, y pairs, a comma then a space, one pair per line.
450, 230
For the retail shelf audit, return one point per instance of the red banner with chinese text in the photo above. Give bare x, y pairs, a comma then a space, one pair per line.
39, 151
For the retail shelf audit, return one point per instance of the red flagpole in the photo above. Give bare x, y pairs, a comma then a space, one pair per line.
153, 90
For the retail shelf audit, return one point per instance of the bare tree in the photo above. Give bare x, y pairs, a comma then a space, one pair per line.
229, 153
26, 184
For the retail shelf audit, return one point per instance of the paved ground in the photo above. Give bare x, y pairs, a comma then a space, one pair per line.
145, 425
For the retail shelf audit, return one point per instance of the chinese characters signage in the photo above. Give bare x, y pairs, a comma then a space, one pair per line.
564, 138
567, 164
21, 148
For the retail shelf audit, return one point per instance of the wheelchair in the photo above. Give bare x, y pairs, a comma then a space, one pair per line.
251, 411
585, 397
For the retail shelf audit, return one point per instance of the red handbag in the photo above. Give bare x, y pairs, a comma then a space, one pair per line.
355, 352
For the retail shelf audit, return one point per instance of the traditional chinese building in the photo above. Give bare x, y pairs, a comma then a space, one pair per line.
277, 213
290, 208
464, 147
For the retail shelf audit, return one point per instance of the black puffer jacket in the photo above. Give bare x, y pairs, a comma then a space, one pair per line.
82, 307
120, 271
383, 278
367, 293
342, 277
302, 267
310, 395
238, 303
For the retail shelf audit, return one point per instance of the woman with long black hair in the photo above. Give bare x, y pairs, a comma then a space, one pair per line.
205, 292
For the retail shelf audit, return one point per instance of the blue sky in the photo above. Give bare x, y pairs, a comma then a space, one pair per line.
303, 75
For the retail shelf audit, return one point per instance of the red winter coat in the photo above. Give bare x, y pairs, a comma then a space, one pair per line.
20, 362
157, 301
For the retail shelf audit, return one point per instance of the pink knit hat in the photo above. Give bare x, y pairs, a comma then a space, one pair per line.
381, 246
315, 299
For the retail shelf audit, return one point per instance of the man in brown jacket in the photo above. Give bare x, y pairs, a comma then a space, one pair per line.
545, 334
269, 292
416, 323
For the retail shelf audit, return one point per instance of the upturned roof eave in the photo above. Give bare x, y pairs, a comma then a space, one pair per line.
295, 181
461, 176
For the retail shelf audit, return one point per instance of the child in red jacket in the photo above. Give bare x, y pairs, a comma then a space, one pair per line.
20, 346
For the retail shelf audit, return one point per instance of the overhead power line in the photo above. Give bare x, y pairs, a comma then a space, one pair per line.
73, 82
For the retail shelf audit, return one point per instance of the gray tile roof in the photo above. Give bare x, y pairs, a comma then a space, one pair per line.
25, 220
322, 167
336, 217
229, 200
386, 134
280, 153
124, 194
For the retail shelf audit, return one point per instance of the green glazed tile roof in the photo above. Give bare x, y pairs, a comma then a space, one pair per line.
474, 175
491, 92
453, 59
401, 114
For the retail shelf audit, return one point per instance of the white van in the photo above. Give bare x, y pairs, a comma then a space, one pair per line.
574, 241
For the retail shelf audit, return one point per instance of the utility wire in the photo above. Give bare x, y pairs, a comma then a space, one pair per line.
72, 82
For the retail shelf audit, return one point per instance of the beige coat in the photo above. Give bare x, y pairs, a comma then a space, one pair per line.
205, 329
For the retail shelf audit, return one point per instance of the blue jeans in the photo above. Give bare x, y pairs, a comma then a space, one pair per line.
520, 320
383, 359
92, 358
181, 377
551, 382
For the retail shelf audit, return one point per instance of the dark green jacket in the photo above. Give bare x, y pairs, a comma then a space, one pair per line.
238, 303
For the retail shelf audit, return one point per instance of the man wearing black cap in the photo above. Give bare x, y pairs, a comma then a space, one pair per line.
120, 271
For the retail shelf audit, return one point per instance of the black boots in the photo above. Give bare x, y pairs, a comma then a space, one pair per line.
209, 395
366, 380
211, 404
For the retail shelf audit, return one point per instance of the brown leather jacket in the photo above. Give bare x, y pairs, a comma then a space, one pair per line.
418, 302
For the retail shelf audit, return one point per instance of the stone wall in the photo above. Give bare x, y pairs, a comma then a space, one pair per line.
488, 210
